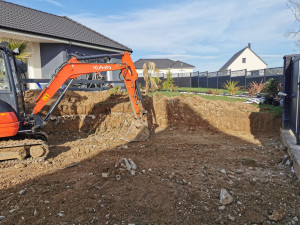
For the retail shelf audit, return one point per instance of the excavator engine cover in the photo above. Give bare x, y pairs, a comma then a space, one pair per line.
9, 123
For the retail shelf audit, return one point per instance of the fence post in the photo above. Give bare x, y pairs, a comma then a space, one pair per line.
206, 79
264, 75
230, 75
245, 79
190, 79
198, 78
217, 80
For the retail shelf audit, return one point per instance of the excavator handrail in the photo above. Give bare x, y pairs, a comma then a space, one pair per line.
98, 56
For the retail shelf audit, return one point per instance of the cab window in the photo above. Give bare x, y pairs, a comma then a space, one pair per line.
4, 81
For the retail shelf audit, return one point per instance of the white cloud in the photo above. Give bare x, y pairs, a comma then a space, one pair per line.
197, 30
54, 3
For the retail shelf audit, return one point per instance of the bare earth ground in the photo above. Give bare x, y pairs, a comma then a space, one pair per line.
197, 147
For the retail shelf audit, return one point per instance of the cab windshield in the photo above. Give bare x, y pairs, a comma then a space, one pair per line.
4, 82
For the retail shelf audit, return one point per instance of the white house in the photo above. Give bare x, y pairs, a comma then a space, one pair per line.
244, 59
53, 39
165, 65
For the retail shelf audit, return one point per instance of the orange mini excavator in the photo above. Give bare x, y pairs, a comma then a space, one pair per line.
20, 135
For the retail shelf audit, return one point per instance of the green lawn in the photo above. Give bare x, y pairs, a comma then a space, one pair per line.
210, 97
271, 109
203, 90
223, 98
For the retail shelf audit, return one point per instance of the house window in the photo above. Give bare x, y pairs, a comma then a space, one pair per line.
243, 60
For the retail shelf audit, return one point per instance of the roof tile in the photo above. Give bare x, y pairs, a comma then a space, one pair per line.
25, 19
162, 64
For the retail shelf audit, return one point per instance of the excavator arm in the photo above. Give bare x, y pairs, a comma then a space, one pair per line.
74, 68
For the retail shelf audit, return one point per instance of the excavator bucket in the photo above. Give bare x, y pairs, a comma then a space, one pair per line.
138, 131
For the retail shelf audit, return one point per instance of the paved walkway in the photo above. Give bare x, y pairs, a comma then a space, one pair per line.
294, 150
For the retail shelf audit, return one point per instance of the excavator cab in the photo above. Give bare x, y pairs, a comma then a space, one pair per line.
12, 106
10, 86
17, 140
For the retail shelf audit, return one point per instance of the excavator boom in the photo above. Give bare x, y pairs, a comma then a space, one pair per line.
138, 131
74, 68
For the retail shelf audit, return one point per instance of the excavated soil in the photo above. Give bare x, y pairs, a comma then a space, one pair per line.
196, 148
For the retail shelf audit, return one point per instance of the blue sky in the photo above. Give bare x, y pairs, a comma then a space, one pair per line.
204, 33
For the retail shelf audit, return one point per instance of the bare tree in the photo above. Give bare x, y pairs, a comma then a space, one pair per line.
294, 6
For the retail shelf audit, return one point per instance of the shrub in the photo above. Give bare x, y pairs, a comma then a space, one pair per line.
251, 91
231, 86
209, 91
155, 83
115, 90
257, 87
215, 92
271, 87
169, 83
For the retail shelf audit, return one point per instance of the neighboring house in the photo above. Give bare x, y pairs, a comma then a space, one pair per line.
165, 65
244, 59
53, 38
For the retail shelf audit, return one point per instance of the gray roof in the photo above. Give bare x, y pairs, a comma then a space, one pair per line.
235, 56
163, 64
20, 18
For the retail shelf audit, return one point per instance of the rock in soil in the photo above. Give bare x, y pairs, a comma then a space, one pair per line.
277, 215
225, 197
22, 192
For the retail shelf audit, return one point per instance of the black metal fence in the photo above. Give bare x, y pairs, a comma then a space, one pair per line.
195, 79
217, 79
291, 103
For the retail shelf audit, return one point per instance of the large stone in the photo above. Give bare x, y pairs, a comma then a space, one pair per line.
133, 165
127, 164
22, 192
277, 215
231, 217
105, 175
225, 197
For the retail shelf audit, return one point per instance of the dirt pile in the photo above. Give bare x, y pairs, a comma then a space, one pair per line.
104, 112
197, 149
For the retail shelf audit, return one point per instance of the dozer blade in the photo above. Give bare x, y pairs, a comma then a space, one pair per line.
16, 153
138, 131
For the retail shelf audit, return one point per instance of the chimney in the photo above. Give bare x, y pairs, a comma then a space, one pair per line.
249, 45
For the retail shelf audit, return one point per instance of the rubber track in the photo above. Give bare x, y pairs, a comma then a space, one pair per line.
20, 143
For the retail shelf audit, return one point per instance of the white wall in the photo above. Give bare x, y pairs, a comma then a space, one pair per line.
34, 64
165, 71
252, 62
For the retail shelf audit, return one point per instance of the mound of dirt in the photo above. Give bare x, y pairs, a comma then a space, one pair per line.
103, 112
197, 149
